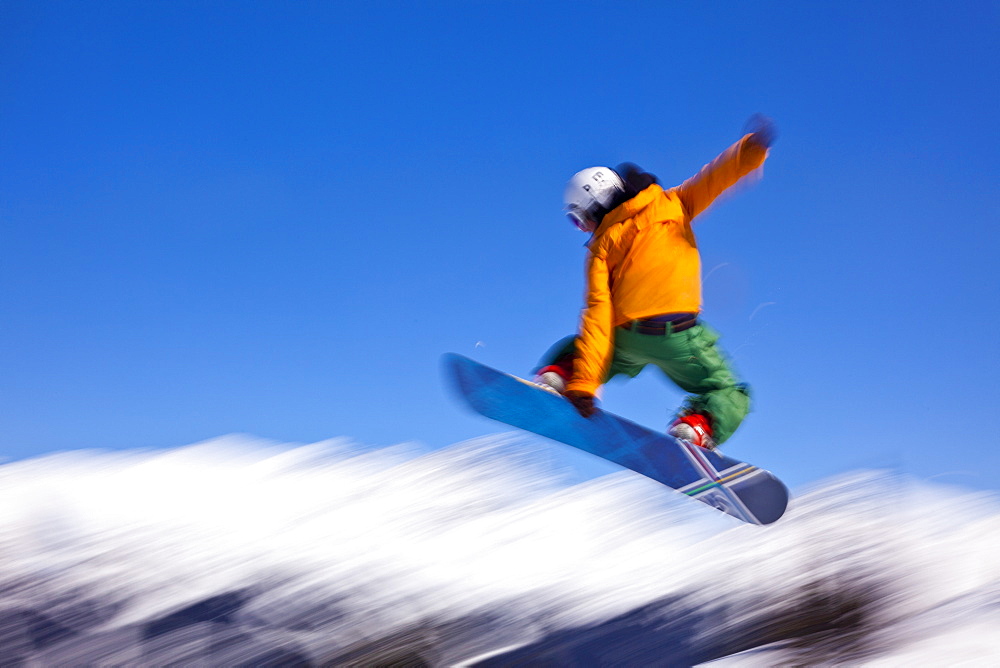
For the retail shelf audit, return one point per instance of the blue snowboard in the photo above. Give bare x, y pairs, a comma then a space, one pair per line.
734, 487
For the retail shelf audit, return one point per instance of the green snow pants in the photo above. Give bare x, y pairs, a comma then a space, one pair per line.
691, 359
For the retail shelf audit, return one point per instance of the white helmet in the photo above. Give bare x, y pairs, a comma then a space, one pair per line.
590, 194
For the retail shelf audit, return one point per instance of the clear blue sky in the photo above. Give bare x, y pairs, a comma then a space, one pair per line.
273, 217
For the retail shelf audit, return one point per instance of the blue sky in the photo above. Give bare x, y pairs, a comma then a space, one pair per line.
273, 217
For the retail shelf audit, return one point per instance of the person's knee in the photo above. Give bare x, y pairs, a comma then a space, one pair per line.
562, 353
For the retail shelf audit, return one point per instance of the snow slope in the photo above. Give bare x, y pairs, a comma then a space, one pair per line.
238, 551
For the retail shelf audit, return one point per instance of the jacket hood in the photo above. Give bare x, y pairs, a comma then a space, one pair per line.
629, 208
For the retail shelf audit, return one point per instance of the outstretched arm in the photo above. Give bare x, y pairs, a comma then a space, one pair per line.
729, 167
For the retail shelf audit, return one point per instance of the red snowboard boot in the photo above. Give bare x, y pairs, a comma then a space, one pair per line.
694, 428
555, 376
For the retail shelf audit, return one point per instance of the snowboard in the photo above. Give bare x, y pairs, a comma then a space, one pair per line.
736, 488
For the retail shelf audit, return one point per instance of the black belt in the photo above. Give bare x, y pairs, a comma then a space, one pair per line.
659, 325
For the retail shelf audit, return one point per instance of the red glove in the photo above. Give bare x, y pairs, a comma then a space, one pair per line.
583, 402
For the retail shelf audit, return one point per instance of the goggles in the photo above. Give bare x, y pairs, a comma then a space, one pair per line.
580, 220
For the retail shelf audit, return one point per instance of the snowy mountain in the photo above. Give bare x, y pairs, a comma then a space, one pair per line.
241, 552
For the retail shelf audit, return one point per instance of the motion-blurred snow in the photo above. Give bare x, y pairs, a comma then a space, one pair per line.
242, 552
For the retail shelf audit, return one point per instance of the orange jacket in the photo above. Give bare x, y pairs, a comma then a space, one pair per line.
643, 259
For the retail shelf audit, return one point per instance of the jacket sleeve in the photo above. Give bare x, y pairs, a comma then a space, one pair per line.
729, 167
595, 342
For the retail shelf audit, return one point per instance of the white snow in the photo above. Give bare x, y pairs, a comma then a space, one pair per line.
337, 544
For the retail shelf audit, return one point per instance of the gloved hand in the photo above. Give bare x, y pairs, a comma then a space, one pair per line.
583, 402
763, 129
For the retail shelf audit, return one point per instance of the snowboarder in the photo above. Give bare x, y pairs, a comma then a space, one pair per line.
643, 297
